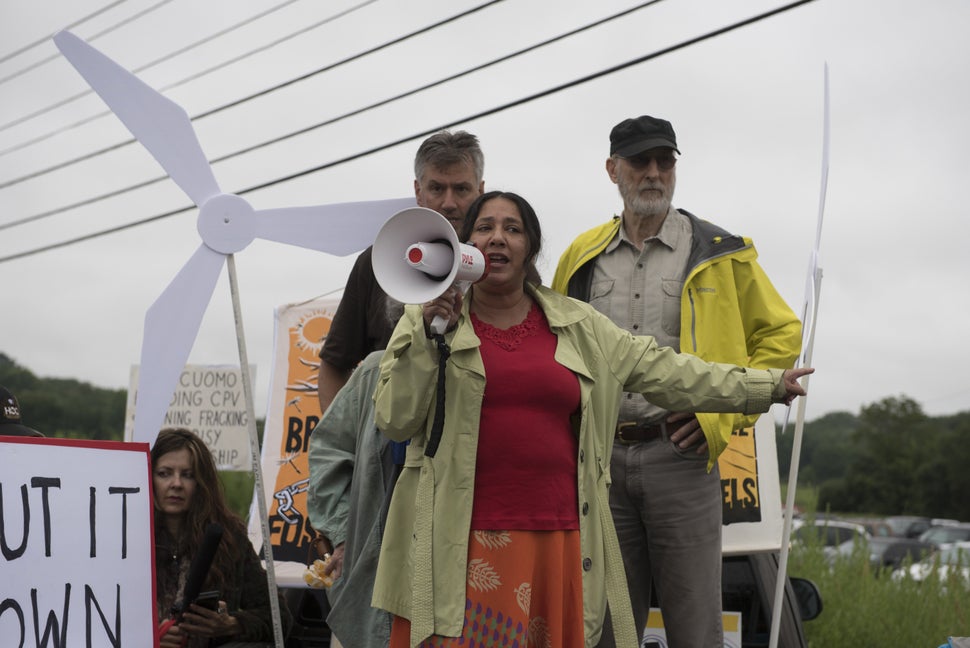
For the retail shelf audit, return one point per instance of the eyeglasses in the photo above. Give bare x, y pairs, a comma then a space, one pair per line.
665, 161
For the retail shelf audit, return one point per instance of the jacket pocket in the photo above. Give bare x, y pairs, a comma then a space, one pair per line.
687, 454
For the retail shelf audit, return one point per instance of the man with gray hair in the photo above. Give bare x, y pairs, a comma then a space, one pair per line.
353, 467
448, 171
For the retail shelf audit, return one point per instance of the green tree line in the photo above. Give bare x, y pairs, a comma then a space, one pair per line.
890, 459
65, 408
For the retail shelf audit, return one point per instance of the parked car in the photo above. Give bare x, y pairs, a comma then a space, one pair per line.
831, 534
946, 534
875, 526
954, 558
748, 586
889, 552
907, 526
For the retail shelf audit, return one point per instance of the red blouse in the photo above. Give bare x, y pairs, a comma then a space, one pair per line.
526, 467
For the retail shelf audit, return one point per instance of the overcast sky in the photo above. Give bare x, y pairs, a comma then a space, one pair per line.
747, 107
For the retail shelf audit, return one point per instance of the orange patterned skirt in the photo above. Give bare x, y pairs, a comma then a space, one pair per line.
524, 589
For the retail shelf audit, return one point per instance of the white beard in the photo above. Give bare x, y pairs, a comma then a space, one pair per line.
646, 206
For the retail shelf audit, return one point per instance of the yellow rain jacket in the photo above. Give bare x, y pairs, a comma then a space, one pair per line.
730, 311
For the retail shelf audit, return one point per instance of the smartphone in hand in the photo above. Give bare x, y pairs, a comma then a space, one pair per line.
208, 600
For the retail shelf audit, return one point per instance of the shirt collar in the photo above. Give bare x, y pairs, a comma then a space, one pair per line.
671, 232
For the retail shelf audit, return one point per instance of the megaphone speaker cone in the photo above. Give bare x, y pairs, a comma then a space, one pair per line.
391, 255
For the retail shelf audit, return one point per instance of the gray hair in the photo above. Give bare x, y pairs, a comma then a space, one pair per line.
445, 149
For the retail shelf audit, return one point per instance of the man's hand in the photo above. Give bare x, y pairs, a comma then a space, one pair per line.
336, 565
687, 432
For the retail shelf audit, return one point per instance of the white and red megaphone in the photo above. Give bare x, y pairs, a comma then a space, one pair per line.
417, 256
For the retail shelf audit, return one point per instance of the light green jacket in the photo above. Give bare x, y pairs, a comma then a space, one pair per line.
422, 569
729, 309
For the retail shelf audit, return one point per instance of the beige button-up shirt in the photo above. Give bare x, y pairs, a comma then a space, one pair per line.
640, 290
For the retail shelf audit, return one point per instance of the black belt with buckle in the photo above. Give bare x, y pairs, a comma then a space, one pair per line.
633, 432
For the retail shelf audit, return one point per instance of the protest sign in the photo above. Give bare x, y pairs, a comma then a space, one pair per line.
738, 466
76, 533
292, 412
208, 400
751, 490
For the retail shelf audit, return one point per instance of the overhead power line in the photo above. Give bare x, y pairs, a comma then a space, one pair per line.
328, 122
425, 133
167, 57
41, 41
99, 34
220, 66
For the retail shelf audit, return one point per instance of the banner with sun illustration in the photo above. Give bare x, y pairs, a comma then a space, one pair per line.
292, 412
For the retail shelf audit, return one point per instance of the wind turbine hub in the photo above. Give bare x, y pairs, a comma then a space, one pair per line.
227, 223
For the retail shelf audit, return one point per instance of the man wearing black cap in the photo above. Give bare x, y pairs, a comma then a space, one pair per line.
10, 422
660, 271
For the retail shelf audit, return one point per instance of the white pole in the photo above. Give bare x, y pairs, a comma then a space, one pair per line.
254, 453
810, 312
789, 508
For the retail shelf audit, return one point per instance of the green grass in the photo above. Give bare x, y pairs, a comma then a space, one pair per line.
864, 606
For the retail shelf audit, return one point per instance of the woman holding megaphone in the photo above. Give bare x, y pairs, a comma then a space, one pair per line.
210, 586
500, 526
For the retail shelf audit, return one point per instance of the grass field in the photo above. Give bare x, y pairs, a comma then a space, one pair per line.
864, 606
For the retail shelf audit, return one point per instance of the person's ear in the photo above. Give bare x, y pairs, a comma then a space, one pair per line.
611, 168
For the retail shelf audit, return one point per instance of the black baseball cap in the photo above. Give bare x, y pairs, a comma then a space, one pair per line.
10, 424
636, 135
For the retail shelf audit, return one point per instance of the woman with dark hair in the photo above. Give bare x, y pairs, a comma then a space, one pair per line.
499, 530
188, 497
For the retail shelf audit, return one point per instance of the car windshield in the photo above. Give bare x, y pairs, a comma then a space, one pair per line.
901, 525
943, 534
827, 533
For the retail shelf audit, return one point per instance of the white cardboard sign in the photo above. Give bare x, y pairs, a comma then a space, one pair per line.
209, 400
76, 551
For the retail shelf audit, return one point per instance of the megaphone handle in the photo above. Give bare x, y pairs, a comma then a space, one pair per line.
438, 325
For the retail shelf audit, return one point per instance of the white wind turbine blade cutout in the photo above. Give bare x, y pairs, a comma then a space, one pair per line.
172, 323
226, 223
162, 126
305, 226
